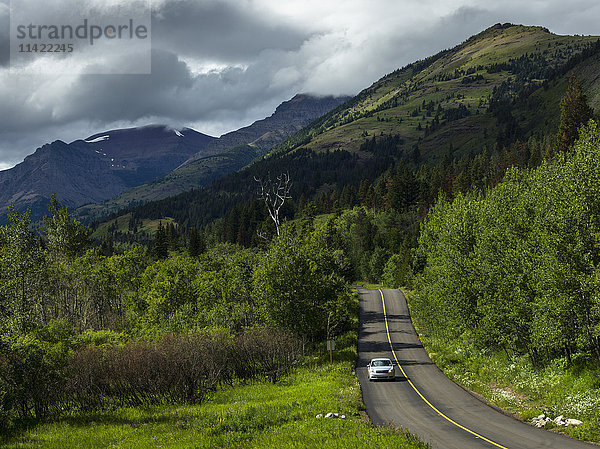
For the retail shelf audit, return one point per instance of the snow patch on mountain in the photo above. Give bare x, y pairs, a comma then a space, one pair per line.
98, 139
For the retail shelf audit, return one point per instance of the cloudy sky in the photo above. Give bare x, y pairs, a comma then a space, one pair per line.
218, 65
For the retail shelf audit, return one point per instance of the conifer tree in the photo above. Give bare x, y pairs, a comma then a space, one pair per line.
574, 113
197, 245
161, 242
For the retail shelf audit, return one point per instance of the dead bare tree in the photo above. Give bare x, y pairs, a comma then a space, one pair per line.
274, 194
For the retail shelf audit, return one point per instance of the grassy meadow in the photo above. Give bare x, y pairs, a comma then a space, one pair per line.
259, 414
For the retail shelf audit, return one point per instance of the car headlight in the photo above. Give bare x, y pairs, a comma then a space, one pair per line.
391, 370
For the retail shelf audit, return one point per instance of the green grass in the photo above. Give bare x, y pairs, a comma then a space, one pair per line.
121, 224
261, 415
368, 285
513, 384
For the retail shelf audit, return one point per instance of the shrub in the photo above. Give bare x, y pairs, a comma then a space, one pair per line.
176, 369
44, 378
4, 392
88, 383
97, 338
35, 376
269, 352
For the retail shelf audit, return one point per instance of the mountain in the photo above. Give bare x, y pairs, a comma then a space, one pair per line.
457, 98
97, 168
224, 155
74, 172
289, 117
139, 155
499, 87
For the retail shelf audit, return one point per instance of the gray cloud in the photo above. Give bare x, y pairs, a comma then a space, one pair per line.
219, 65
222, 31
171, 91
4, 33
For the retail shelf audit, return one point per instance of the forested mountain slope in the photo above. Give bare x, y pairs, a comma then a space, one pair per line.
453, 120
453, 102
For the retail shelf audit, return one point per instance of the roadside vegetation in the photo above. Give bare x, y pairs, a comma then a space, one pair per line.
507, 300
81, 330
514, 384
165, 346
257, 413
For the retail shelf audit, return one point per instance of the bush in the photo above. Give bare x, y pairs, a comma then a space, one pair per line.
44, 378
377, 263
99, 338
176, 369
34, 376
88, 382
268, 352
4, 392
397, 271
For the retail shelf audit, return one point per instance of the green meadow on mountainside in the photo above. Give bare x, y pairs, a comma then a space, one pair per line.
449, 94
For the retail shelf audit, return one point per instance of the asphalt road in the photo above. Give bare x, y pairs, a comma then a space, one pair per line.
418, 401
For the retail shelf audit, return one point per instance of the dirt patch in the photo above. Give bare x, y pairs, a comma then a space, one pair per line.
508, 391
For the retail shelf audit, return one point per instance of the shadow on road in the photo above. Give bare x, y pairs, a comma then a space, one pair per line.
415, 362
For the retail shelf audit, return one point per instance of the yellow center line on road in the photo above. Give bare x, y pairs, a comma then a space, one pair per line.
387, 330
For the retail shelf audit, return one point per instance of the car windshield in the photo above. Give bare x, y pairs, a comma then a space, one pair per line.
381, 363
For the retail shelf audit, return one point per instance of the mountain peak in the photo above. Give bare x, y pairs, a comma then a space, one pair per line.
510, 28
306, 104
516, 27
96, 168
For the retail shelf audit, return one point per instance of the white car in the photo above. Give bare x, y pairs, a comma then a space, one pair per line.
381, 369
